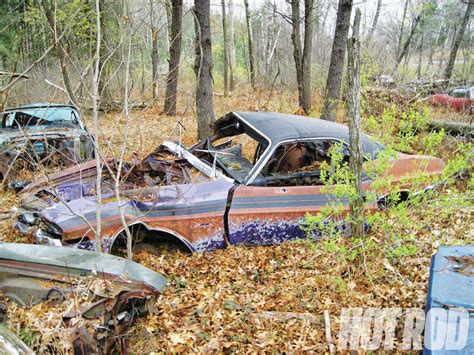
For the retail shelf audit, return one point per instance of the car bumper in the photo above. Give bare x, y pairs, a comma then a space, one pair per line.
27, 225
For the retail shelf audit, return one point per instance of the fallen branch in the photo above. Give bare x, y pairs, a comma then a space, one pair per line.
453, 128
14, 75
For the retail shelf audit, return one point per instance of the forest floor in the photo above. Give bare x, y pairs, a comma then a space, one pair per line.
269, 298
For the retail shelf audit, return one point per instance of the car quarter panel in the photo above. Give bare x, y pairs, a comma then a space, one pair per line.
193, 212
406, 169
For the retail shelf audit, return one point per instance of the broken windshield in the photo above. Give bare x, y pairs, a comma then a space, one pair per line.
40, 117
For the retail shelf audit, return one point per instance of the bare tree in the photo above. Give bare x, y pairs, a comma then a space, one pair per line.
175, 57
226, 49
95, 114
123, 150
154, 49
374, 21
250, 42
336, 66
232, 60
420, 51
402, 29
203, 68
61, 48
404, 51
454, 50
302, 57
353, 106
105, 56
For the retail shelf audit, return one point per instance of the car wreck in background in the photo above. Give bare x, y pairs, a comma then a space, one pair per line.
89, 285
252, 182
459, 99
41, 134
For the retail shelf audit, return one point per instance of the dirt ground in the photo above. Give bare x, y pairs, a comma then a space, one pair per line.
264, 298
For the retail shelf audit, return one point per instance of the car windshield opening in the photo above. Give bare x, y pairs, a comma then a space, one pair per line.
39, 116
235, 155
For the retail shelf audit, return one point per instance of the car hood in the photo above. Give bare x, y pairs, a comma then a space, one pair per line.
37, 132
79, 181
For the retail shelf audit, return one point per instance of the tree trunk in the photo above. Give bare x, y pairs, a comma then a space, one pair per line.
353, 106
232, 60
374, 22
402, 29
175, 56
457, 42
307, 51
62, 51
169, 20
408, 41
226, 50
95, 114
420, 53
104, 64
296, 39
203, 68
250, 41
154, 50
336, 66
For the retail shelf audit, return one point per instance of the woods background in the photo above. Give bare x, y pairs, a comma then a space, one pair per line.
256, 45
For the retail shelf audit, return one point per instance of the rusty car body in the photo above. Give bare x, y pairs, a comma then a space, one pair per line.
88, 284
40, 134
459, 99
216, 193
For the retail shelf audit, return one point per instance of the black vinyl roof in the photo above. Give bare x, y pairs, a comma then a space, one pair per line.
278, 127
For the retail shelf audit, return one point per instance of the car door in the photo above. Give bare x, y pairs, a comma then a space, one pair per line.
268, 215
459, 99
261, 215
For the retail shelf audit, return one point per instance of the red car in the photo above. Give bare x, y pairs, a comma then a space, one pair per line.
460, 99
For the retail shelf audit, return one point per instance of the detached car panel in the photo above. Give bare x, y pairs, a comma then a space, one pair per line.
451, 292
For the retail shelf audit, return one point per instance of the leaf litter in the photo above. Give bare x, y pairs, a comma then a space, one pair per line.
251, 299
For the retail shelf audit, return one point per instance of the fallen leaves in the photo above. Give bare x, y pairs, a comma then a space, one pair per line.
254, 299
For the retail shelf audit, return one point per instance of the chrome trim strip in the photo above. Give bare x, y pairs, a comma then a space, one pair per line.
196, 162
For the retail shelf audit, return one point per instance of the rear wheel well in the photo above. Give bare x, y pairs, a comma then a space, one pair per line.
386, 201
142, 236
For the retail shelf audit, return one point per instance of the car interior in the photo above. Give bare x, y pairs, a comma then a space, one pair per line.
291, 164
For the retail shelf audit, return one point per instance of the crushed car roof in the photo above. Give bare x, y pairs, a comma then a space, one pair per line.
278, 127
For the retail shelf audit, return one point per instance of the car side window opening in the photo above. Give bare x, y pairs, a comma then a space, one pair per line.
299, 163
460, 93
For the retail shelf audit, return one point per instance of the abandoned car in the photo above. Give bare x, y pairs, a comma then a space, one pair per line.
459, 99
41, 134
252, 182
